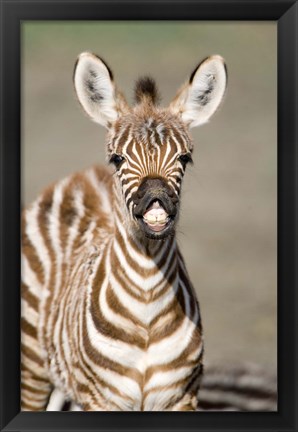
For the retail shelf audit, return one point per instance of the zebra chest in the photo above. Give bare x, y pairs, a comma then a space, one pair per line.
145, 345
149, 368
127, 351
139, 378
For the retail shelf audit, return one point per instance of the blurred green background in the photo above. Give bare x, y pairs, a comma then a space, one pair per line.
228, 224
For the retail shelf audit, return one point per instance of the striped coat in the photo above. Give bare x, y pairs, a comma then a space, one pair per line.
109, 315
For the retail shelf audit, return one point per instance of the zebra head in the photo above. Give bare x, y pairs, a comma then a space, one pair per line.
149, 146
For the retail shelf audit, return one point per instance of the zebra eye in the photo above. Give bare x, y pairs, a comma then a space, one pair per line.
185, 159
116, 159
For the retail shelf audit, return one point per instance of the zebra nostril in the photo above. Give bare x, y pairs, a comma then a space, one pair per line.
137, 196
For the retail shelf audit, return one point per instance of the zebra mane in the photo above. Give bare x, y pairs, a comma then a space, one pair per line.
146, 87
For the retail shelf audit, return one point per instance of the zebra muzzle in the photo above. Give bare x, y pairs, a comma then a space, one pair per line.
155, 207
156, 217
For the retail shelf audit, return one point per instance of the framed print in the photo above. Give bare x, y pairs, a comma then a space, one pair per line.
99, 313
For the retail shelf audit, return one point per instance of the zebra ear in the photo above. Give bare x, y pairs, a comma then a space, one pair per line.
198, 99
94, 85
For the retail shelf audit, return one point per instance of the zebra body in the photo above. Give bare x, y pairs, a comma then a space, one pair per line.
130, 348
109, 315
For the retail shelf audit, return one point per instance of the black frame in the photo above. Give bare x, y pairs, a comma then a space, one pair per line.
12, 13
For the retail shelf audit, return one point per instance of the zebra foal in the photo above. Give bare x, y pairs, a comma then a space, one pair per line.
109, 315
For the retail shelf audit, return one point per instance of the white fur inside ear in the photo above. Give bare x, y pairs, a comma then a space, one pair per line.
203, 95
95, 89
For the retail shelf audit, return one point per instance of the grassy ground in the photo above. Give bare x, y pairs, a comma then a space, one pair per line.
227, 229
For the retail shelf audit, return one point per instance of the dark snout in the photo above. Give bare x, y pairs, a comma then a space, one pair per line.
155, 207
155, 189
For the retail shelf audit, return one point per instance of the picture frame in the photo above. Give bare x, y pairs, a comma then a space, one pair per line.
13, 13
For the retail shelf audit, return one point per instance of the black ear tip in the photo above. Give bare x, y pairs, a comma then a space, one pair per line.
90, 54
195, 69
106, 65
74, 69
219, 58
226, 71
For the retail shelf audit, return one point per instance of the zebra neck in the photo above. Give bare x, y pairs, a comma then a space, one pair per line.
149, 265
